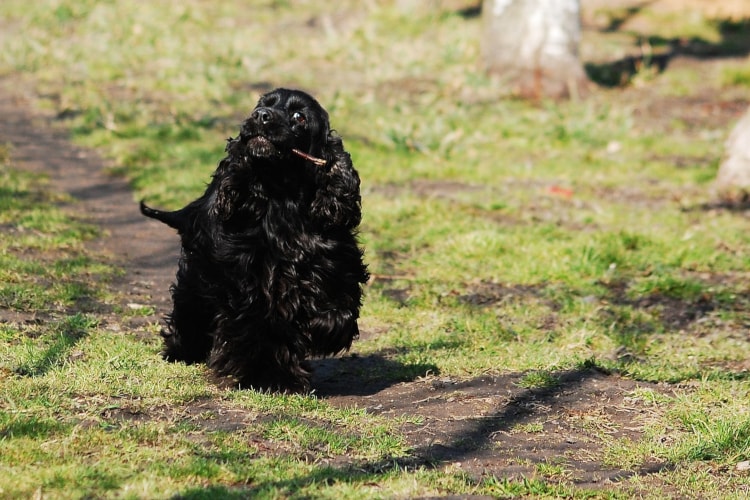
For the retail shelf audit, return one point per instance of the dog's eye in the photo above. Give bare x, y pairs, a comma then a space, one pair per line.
299, 118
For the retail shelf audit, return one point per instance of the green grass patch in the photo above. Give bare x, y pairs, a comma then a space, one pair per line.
539, 380
43, 263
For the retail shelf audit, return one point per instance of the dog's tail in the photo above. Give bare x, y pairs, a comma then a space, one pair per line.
176, 219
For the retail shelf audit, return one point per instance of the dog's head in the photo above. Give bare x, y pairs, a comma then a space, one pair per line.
285, 120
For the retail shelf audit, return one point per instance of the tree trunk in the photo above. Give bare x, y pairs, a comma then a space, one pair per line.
733, 178
532, 46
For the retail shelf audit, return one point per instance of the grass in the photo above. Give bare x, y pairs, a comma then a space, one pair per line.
503, 236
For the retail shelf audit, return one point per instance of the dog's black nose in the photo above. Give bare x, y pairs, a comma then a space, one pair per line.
263, 115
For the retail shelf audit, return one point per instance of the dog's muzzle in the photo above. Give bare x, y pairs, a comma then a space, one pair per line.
259, 146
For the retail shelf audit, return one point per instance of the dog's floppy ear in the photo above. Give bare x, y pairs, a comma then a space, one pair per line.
333, 149
320, 132
337, 202
223, 192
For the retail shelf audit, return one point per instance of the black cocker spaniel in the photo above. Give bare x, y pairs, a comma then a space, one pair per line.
270, 271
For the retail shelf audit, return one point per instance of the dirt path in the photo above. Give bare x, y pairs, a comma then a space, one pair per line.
488, 425
141, 247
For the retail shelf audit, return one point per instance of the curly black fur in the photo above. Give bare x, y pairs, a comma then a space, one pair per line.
270, 271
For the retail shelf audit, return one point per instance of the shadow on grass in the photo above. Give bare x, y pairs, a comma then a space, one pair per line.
214, 493
621, 72
55, 347
356, 375
738, 204
657, 52
29, 426
672, 305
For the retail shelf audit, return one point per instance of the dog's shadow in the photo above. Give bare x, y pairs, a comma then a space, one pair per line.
358, 375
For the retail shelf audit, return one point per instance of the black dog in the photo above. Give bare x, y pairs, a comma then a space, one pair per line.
270, 271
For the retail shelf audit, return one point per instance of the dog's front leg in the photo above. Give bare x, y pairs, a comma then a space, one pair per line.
188, 334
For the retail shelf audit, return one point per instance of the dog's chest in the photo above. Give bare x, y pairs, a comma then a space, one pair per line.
280, 229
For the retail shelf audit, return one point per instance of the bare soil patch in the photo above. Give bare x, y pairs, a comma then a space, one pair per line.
491, 425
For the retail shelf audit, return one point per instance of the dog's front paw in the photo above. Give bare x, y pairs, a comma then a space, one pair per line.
175, 350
